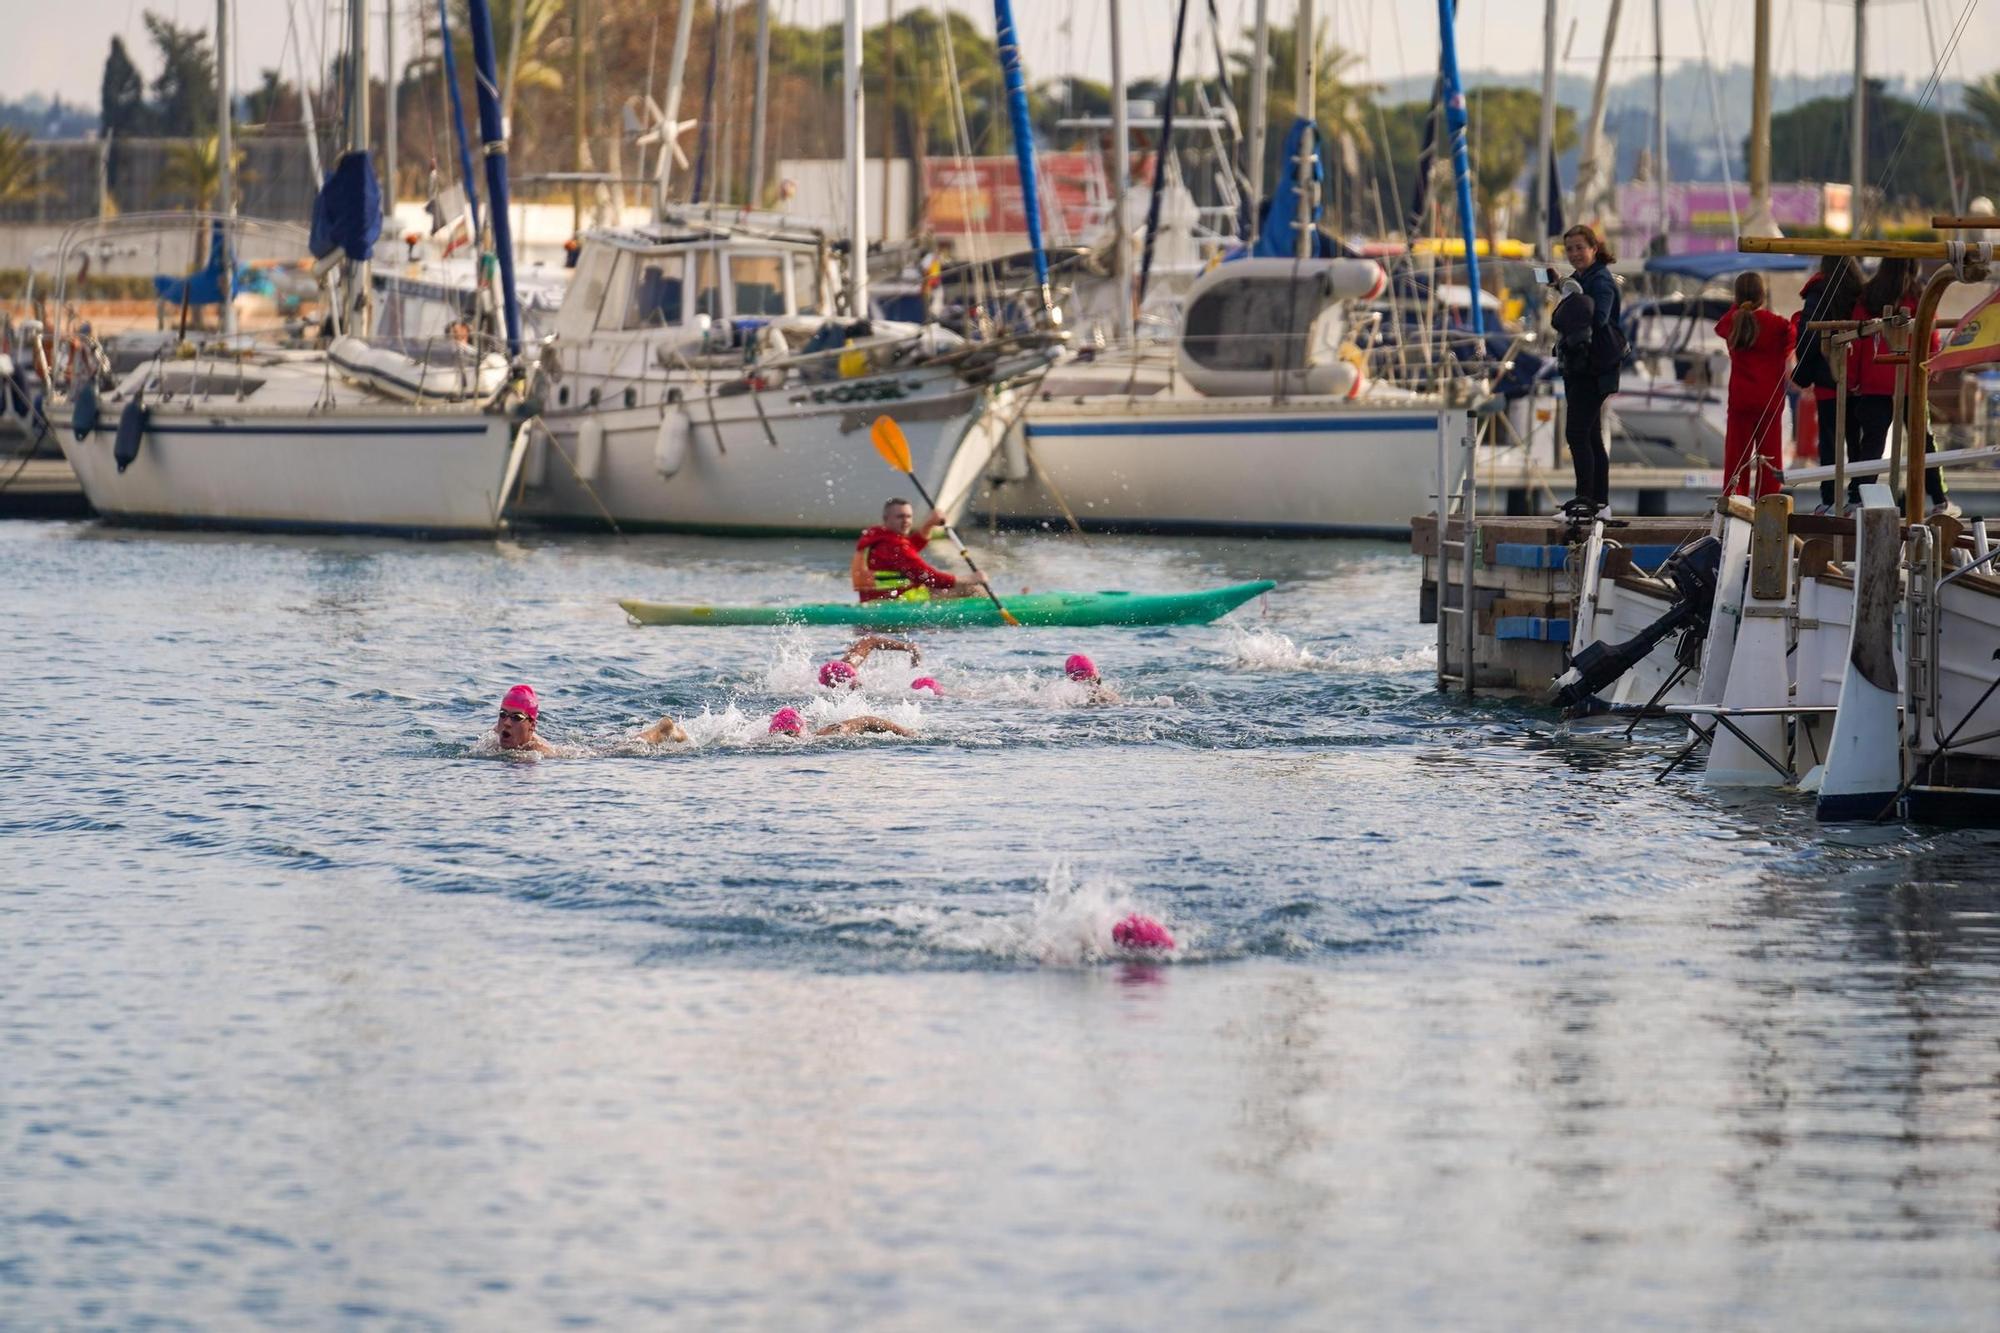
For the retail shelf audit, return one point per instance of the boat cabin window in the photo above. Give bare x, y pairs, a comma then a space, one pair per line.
707, 286
1251, 324
656, 292
757, 285
805, 284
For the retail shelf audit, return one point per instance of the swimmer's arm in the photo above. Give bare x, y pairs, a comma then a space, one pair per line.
540, 746
868, 643
1104, 694
855, 726
666, 729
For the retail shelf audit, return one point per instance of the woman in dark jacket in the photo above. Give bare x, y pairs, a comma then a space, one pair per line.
1590, 363
1871, 385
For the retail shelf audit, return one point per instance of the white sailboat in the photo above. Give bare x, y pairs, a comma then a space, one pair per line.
404, 438
1260, 416
701, 379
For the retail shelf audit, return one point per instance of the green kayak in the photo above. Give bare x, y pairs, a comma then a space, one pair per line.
1040, 608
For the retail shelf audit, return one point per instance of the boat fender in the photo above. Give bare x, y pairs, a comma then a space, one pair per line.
131, 429
589, 448
535, 463
83, 418
1354, 356
670, 443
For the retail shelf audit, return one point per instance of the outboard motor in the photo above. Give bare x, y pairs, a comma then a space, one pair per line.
1694, 570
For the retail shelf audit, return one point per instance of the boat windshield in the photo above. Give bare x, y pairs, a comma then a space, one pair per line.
656, 292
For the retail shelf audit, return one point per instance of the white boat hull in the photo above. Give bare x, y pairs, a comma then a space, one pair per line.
1309, 466
431, 473
796, 459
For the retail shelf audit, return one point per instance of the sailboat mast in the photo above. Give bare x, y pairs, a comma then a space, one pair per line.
1461, 166
225, 169
1760, 222
360, 289
1260, 78
493, 146
1305, 34
1660, 120
393, 80
1858, 147
670, 118
1121, 166
1588, 170
1545, 132
857, 175
757, 115
1009, 42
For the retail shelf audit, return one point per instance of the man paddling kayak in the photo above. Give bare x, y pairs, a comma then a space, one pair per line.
887, 564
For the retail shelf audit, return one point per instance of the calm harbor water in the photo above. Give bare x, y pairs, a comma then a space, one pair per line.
314, 1012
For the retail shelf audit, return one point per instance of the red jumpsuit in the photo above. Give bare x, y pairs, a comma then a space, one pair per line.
1756, 418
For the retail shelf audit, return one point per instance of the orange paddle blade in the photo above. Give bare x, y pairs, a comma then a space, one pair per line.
889, 443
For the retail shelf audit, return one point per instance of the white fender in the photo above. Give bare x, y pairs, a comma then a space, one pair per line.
1864, 760
535, 467
1758, 675
1728, 613
670, 443
589, 456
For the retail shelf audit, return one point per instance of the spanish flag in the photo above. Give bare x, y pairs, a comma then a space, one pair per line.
1976, 340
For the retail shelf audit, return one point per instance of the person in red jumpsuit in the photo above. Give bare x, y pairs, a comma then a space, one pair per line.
888, 564
1760, 343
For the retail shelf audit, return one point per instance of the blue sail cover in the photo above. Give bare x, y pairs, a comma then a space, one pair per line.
1278, 238
347, 212
204, 285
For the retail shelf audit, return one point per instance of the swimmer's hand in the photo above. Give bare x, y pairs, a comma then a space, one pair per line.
855, 726
666, 729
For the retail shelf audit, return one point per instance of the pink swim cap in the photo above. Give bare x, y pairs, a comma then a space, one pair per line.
788, 720
835, 673
521, 699
926, 683
1141, 932
1079, 667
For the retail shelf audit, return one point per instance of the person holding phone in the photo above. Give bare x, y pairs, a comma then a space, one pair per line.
1590, 348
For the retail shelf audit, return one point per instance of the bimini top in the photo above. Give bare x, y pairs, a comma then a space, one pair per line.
1722, 263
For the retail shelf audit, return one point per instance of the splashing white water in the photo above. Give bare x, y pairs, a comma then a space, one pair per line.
1267, 650
1066, 924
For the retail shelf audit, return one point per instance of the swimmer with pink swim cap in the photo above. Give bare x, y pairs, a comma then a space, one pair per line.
1080, 669
928, 683
787, 722
521, 713
844, 672
1139, 931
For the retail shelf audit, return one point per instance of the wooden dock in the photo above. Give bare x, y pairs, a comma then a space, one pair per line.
1524, 588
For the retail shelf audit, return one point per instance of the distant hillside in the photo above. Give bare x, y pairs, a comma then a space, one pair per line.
1691, 123
45, 119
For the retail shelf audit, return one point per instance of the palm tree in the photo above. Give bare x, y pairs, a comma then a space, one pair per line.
1340, 105
20, 169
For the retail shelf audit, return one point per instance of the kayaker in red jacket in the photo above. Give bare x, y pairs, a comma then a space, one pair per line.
1760, 343
887, 564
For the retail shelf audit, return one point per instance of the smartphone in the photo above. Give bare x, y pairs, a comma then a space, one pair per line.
1545, 276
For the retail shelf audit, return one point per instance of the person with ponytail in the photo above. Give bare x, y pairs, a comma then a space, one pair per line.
1759, 343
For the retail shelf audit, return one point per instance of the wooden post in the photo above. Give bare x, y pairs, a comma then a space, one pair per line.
1839, 424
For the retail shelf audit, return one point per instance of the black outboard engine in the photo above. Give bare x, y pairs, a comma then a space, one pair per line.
1694, 571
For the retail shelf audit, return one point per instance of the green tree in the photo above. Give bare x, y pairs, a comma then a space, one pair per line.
1342, 107
1904, 158
121, 95
184, 92
1505, 124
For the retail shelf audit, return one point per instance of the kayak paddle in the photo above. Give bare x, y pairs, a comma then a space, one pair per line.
895, 451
